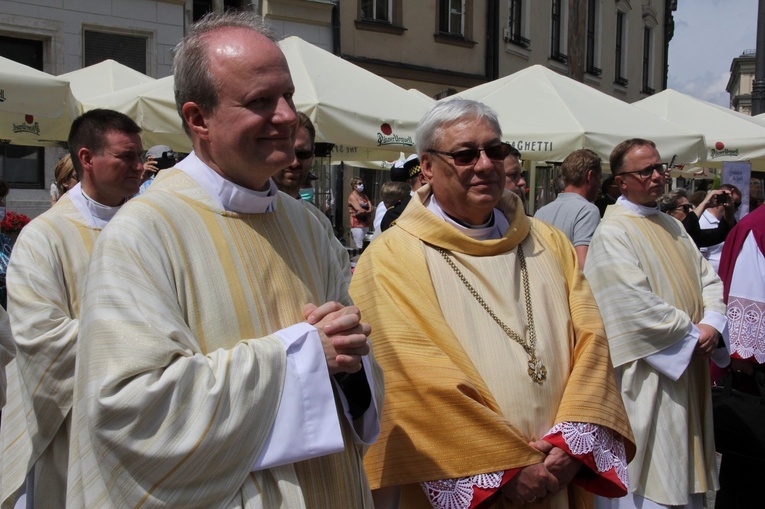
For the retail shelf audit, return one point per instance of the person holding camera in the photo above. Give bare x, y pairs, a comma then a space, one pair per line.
721, 209
678, 204
158, 157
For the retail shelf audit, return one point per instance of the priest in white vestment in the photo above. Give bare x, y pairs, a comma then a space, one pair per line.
46, 283
499, 387
221, 363
664, 315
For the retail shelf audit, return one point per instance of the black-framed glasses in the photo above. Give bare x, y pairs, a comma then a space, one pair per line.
686, 207
470, 156
304, 154
646, 172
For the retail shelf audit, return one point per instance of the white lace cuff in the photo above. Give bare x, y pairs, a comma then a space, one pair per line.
458, 493
606, 446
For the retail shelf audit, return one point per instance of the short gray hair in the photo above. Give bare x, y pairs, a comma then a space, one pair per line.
191, 66
669, 201
430, 129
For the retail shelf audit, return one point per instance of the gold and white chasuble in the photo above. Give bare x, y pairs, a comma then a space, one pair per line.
651, 283
46, 280
459, 400
180, 371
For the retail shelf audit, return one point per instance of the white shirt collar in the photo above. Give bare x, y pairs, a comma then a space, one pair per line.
711, 218
640, 210
96, 214
229, 196
491, 230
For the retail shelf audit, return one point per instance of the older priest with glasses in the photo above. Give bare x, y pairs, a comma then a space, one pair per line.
499, 387
664, 315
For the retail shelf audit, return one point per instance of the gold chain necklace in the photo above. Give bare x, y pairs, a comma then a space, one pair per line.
537, 371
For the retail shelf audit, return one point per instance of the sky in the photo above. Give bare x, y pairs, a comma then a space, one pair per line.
709, 34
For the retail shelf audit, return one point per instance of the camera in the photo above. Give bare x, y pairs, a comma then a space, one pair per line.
723, 198
166, 161
163, 156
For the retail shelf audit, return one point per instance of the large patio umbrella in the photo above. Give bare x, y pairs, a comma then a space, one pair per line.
730, 136
350, 106
36, 108
366, 117
547, 116
103, 78
152, 106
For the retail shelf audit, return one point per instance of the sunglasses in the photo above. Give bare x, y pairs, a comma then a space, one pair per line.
646, 172
304, 154
470, 156
685, 208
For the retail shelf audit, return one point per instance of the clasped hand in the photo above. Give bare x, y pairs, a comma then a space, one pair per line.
542, 479
708, 339
342, 333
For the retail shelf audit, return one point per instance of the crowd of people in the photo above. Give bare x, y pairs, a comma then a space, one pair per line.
195, 338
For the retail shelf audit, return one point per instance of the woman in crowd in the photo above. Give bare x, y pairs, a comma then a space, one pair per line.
676, 204
362, 212
66, 178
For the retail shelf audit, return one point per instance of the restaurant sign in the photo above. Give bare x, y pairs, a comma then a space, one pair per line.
386, 137
721, 151
532, 146
29, 126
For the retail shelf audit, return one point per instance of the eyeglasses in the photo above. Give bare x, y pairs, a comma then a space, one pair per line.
71, 176
646, 172
304, 154
687, 207
470, 156
736, 205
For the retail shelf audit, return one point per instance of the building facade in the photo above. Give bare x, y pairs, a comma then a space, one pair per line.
741, 82
444, 46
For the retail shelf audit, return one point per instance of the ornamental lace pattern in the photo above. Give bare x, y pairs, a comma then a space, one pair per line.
746, 323
458, 493
606, 446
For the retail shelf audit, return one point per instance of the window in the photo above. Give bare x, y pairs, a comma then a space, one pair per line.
514, 31
129, 50
22, 167
619, 50
556, 32
647, 47
452, 17
592, 44
377, 10
202, 7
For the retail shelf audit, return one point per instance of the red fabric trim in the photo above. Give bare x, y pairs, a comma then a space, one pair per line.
484, 498
606, 484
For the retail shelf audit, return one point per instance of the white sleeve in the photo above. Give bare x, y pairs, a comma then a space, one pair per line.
306, 424
746, 303
673, 360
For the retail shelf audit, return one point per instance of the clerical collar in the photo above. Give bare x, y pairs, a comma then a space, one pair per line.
494, 228
640, 210
97, 215
229, 196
